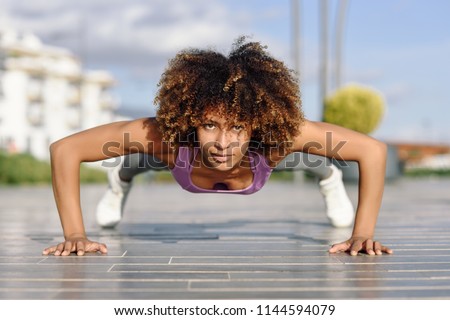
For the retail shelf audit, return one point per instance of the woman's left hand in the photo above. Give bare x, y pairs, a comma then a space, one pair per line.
357, 244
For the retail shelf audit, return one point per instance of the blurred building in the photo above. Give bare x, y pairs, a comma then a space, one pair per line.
424, 156
46, 95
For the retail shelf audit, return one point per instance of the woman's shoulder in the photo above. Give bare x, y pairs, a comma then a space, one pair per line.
153, 138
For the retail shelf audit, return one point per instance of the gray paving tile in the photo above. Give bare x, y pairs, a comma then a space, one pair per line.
255, 267
313, 285
187, 252
233, 295
105, 260
255, 247
394, 259
84, 284
10, 260
331, 276
116, 276
54, 270
254, 260
28, 295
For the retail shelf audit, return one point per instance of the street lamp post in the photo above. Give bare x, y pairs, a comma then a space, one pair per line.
295, 35
323, 73
340, 24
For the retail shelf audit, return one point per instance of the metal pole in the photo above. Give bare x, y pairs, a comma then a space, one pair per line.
295, 34
323, 26
340, 25
296, 57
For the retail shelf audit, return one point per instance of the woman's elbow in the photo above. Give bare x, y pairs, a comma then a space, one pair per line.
53, 147
382, 148
58, 147
378, 150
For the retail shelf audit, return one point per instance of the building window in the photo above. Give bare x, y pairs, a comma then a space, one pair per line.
35, 89
73, 117
2, 92
35, 114
74, 94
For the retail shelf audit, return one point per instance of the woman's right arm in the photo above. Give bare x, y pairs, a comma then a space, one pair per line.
95, 144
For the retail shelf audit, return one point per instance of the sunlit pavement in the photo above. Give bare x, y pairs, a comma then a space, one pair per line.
270, 245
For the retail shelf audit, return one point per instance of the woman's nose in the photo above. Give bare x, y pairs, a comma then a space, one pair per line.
224, 140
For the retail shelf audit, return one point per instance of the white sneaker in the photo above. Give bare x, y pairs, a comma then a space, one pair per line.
110, 208
339, 207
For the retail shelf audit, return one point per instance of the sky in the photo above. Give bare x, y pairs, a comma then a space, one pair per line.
399, 48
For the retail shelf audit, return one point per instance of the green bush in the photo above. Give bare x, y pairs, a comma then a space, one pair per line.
22, 168
355, 107
424, 172
92, 175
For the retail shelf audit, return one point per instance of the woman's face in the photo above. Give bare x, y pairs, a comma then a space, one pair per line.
223, 143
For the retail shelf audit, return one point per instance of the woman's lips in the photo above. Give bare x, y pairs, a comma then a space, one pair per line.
221, 157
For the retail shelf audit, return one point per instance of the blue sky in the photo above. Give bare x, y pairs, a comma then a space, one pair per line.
401, 48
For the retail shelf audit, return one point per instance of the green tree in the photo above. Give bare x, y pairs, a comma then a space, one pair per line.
355, 107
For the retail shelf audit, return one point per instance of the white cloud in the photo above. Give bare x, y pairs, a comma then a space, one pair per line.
125, 33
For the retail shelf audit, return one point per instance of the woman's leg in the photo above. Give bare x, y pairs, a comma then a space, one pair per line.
137, 163
110, 208
316, 165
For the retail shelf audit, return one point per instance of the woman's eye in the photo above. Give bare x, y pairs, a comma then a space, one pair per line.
208, 126
238, 128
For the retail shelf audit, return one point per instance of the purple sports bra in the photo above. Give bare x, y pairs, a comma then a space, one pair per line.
183, 168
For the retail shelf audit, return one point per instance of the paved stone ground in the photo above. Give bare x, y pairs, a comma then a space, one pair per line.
270, 245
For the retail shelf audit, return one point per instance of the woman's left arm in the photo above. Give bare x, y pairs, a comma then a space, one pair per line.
340, 143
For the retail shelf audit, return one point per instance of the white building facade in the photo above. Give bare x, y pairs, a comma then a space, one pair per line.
45, 95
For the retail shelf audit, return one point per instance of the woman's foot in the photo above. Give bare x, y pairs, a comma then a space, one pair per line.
340, 210
110, 208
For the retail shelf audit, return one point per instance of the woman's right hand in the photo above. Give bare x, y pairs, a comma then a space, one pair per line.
80, 245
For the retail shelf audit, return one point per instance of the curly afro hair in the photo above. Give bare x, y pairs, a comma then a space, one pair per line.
247, 86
